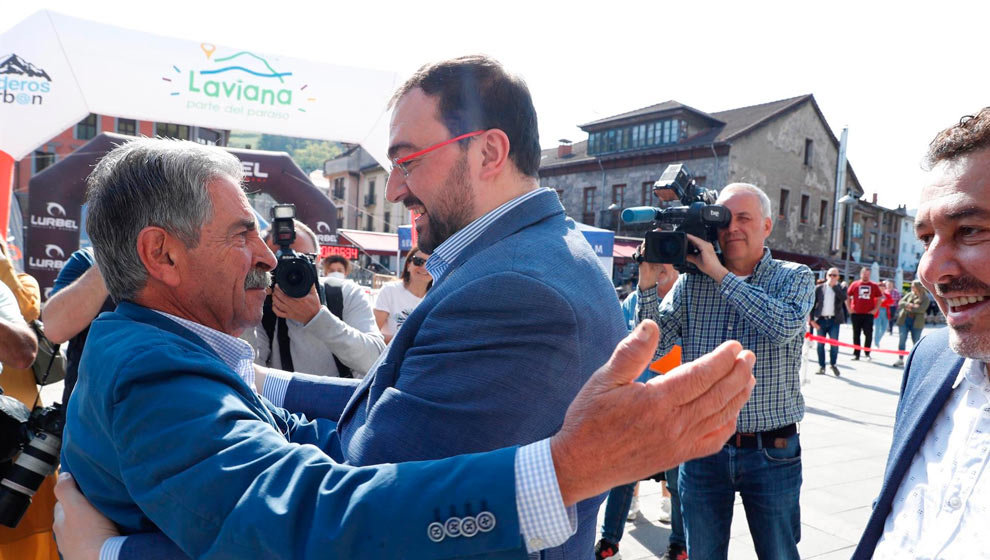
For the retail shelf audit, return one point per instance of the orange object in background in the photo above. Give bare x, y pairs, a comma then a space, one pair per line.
668, 362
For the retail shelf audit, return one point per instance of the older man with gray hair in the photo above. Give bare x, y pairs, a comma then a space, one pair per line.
764, 303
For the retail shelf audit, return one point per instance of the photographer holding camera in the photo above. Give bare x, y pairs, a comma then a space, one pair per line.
761, 302
332, 333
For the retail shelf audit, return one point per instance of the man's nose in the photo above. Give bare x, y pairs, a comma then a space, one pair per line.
938, 263
395, 186
264, 258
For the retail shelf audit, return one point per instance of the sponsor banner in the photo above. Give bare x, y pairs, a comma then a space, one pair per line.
405, 238
56, 211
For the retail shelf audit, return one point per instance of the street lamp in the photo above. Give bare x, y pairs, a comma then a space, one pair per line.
618, 220
848, 201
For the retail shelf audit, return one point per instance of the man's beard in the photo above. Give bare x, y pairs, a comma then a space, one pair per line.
452, 210
967, 340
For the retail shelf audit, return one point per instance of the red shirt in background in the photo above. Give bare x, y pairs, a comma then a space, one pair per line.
864, 296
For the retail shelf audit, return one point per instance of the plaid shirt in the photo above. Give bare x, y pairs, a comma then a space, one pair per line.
766, 312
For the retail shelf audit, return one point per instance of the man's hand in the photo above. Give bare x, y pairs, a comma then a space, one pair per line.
707, 260
690, 412
814, 324
301, 310
649, 274
80, 529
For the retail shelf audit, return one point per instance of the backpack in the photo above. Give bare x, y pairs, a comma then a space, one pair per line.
332, 297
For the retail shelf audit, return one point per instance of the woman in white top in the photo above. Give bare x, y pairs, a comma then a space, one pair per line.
396, 300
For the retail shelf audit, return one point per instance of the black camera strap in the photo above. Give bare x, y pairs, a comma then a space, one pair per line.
332, 297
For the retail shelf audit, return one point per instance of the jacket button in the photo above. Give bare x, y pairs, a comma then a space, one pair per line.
435, 532
469, 526
486, 521
452, 527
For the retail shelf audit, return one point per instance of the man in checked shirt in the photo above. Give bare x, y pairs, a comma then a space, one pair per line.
762, 302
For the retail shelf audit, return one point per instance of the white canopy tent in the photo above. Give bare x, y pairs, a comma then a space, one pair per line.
55, 70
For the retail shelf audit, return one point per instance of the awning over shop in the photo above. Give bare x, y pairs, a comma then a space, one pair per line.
370, 242
625, 247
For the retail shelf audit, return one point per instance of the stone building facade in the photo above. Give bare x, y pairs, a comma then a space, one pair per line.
357, 188
785, 147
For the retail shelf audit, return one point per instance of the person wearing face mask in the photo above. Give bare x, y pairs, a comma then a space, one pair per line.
339, 339
397, 299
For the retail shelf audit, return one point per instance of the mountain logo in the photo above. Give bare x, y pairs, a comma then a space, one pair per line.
55, 209
17, 66
245, 82
54, 252
21, 82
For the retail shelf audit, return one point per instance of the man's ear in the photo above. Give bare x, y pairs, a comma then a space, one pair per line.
157, 250
494, 153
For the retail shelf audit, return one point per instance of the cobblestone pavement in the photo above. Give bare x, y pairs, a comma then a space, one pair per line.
845, 437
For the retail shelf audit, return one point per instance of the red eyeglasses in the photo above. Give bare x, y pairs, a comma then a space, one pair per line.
402, 163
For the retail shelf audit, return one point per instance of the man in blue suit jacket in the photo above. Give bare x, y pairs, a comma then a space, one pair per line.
935, 493
140, 455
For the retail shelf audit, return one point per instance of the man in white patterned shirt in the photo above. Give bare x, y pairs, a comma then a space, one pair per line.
763, 303
935, 497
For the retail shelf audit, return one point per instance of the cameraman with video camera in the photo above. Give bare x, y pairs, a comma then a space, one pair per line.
321, 326
746, 295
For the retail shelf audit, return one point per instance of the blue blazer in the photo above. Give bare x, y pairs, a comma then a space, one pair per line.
161, 434
931, 370
492, 356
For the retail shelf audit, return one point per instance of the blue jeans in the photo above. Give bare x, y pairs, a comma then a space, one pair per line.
769, 481
828, 328
905, 329
880, 326
619, 501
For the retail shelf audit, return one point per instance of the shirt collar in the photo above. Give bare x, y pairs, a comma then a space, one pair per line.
448, 251
236, 353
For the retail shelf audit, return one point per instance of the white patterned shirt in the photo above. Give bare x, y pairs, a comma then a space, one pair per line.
941, 508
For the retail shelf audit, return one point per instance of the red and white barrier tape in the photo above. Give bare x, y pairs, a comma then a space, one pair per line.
834, 342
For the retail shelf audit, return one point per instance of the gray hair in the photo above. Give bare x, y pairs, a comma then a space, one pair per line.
149, 182
752, 189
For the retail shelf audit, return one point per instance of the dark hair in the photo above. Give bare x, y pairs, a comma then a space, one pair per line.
405, 267
340, 259
476, 93
971, 134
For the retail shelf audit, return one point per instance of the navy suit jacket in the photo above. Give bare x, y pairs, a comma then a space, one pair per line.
162, 434
492, 356
928, 377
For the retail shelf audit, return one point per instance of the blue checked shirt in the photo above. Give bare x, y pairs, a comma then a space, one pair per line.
766, 312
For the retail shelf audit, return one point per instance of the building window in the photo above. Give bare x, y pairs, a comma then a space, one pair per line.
86, 128
41, 160
369, 223
340, 216
371, 188
873, 240
809, 146
387, 221
647, 192
169, 130
588, 216
638, 136
209, 137
618, 194
823, 214
338, 187
805, 210
784, 196
857, 230
127, 126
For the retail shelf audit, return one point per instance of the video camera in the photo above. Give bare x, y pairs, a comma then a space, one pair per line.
35, 439
295, 272
699, 216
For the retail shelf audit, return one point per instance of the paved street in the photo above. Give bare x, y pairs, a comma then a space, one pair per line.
845, 436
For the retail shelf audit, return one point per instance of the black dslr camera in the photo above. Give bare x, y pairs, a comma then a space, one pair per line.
295, 272
699, 216
35, 440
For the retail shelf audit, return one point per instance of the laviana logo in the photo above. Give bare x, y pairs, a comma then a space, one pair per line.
54, 259
240, 83
23, 83
55, 219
